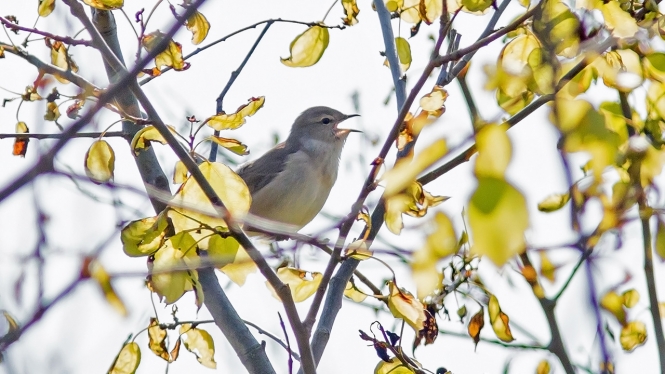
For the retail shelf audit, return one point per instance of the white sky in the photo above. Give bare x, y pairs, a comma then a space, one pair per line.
82, 334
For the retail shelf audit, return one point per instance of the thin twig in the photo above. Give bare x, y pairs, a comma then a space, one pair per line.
109, 134
65, 39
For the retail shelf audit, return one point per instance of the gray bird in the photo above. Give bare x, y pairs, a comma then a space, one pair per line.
291, 182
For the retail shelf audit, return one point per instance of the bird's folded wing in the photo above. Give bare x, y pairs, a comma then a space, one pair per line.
260, 172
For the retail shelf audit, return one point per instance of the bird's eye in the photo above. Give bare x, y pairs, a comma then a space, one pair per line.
326, 121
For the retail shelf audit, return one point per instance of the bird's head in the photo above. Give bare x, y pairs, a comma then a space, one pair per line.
321, 124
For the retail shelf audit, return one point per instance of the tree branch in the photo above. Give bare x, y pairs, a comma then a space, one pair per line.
65, 39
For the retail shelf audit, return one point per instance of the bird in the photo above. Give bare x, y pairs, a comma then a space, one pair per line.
290, 183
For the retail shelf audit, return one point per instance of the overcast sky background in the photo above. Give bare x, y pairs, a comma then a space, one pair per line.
82, 334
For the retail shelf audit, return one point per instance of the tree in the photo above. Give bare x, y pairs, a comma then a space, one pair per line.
602, 79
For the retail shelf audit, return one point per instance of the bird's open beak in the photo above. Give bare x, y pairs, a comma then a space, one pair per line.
340, 132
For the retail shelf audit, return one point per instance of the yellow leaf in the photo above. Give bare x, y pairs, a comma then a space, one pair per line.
633, 335
11, 323
476, 5
499, 320
45, 7
145, 236
307, 48
157, 340
395, 366
543, 367
143, 137
613, 303
630, 298
404, 305
60, 58
441, 243
199, 26
127, 361
405, 171
168, 279
660, 239
558, 24
554, 202
547, 269
618, 20
52, 112
98, 273
654, 65
409, 11
195, 213
223, 121
498, 218
242, 266
403, 53
170, 56
433, 101
232, 145
395, 206
200, 343
180, 172
430, 10
353, 293
302, 284
494, 151
476, 324
100, 162
358, 250
351, 12
105, 4
514, 57
222, 251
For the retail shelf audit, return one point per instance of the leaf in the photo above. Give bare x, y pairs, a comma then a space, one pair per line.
45, 7
105, 4
430, 10
441, 243
232, 145
200, 343
358, 250
633, 335
403, 53
350, 11
395, 206
554, 202
180, 172
157, 340
127, 360
660, 239
100, 162
242, 266
498, 218
60, 58
613, 303
547, 269
168, 279
145, 236
307, 48
543, 367
476, 324
302, 284
494, 151
630, 298
499, 320
195, 213
11, 322
476, 5
21, 143
352, 292
434, 101
223, 251
223, 121
404, 305
618, 20
145, 136
170, 56
199, 26
395, 366
99, 274
52, 112
406, 171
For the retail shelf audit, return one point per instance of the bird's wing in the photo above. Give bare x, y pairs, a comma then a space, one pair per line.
258, 173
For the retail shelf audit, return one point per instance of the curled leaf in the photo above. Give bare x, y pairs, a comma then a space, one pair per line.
307, 48
499, 320
145, 236
21, 143
199, 26
100, 162
223, 121
232, 145
143, 137
170, 56
404, 305
633, 334
351, 12
476, 324
127, 360
302, 284
554, 202
157, 340
45, 7
200, 343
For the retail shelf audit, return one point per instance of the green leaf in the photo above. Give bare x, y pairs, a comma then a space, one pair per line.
307, 48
